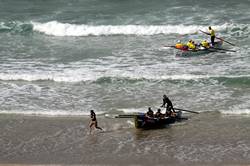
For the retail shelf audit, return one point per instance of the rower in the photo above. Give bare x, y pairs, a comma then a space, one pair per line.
158, 114
191, 45
194, 44
178, 45
150, 113
205, 44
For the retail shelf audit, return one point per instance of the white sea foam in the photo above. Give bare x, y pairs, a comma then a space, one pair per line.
55, 28
49, 113
73, 77
236, 112
133, 110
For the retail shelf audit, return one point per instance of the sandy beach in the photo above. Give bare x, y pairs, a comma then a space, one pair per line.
207, 139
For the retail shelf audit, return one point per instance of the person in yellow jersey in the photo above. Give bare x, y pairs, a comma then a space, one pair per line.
212, 34
191, 44
205, 44
194, 45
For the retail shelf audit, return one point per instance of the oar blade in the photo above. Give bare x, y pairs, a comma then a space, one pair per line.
225, 41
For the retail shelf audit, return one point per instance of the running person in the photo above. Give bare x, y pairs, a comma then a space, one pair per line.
93, 121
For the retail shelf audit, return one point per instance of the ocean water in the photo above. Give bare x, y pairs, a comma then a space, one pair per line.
65, 58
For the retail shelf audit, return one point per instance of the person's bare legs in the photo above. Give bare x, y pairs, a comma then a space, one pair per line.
96, 126
90, 127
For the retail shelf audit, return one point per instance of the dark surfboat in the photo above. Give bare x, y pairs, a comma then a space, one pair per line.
141, 121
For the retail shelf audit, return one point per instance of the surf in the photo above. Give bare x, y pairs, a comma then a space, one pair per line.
55, 28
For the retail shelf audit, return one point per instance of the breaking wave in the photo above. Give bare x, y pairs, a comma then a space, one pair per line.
55, 28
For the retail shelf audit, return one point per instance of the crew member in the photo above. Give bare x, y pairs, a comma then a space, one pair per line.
169, 108
212, 34
150, 113
205, 44
179, 45
158, 114
191, 44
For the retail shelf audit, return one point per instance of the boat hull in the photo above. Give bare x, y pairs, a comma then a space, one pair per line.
142, 122
184, 53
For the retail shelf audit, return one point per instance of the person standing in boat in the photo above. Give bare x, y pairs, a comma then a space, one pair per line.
169, 108
93, 121
212, 34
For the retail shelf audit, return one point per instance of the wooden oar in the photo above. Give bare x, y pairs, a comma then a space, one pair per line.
218, 38
186, 110
204, 32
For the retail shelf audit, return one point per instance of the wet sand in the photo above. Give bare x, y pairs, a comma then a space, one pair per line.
205, 139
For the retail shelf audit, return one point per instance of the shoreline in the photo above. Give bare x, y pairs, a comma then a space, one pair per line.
202, 140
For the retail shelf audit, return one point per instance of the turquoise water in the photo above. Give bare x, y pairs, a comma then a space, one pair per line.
65, 58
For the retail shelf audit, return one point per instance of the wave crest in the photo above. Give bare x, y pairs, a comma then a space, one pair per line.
55, 28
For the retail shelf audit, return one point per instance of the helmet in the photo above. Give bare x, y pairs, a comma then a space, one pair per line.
178, 41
